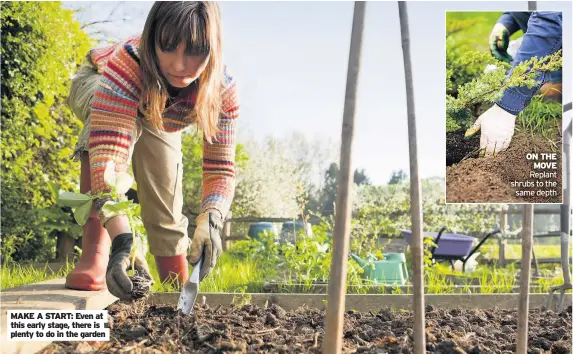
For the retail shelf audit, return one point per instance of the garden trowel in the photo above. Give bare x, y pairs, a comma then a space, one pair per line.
190, 291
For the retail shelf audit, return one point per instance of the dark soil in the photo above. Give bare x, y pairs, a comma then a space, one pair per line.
488, 179
250, 329
460, 148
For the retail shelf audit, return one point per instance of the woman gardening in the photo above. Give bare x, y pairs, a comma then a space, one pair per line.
135, 98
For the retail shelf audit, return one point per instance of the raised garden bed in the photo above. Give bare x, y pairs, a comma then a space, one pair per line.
274, 323
250, 328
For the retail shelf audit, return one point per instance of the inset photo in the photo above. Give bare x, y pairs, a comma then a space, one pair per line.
504, 107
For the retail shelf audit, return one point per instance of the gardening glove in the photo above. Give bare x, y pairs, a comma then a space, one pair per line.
497, 128
206, 242
499, 42
118, 281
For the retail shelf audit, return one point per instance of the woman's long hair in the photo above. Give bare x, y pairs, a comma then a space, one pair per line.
197, 25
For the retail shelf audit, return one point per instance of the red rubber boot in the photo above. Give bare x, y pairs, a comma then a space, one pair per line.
89, 273
173, 268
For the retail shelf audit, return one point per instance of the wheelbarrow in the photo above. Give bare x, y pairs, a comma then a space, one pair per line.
451, 247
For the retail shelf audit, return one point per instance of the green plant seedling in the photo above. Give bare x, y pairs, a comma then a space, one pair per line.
116, 204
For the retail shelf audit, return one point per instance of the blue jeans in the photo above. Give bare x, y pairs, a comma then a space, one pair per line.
542, 37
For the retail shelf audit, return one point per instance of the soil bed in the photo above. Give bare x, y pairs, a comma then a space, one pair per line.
251, 329
460, 148
489, 179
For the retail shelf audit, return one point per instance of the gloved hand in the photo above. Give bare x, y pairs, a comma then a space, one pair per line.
118, 282
207, 242
497, 128
499, 42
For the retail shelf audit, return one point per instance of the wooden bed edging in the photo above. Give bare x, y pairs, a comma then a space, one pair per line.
359, 302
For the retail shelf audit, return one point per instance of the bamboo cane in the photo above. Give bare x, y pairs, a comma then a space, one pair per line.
415, 191
337, 285
526, 246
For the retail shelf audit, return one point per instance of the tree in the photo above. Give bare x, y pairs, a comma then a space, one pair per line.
383, 210
270, 182
327, 195
42, 46
312, 158
398, 177
104, 30
281, 176
360, 177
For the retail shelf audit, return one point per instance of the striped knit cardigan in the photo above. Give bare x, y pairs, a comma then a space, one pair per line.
113, 121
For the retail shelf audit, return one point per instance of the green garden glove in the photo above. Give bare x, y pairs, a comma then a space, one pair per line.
118, 281
499, 42
206, 242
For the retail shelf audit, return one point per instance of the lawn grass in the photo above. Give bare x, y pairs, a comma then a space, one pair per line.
541, 118
513, 251
230, 275
15, 274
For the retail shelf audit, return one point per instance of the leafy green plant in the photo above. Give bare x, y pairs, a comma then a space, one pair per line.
428, 244
467, 68
264, 251
243, 298
244, 249
57, 220
41, 47
363, 238
489, 87
397, 290
116, 204
466, 50
308, 259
